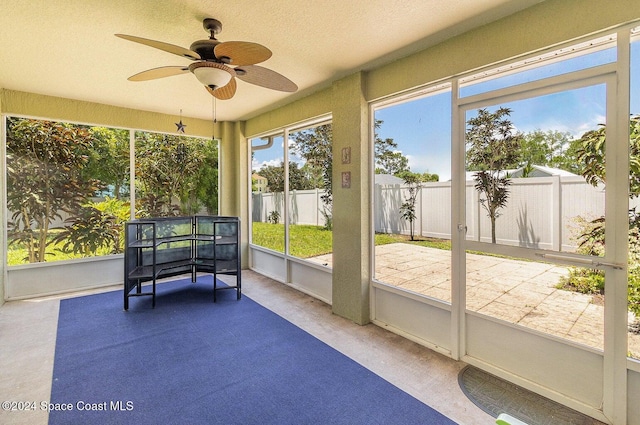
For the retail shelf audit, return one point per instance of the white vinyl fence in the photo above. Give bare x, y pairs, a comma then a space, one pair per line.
305, 206
542, 212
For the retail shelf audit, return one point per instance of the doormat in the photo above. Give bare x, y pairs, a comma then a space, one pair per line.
495, 396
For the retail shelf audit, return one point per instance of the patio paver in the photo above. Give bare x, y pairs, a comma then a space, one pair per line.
520, 292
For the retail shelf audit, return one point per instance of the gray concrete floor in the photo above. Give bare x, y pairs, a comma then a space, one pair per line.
28, 333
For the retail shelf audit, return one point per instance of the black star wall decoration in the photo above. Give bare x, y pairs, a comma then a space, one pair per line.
180, 125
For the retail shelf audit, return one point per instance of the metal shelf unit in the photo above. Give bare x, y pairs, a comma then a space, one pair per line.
168, 246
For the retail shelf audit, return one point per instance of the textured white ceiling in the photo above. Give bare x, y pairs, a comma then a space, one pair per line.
67, 48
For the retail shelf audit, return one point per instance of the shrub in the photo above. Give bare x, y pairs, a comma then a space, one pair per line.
591, 242
273, 217
585, 281
328, 219
634, 267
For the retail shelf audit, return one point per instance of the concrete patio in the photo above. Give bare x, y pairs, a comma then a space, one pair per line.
520, 292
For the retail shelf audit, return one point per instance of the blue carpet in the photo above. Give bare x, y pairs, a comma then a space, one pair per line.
190, 361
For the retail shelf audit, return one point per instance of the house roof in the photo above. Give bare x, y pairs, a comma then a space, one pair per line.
68, 49
537, 171
542, 171
388, 179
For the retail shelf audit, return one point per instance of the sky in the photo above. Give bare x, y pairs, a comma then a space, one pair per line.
422, 127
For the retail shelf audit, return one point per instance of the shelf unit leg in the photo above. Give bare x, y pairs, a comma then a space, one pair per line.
215, 285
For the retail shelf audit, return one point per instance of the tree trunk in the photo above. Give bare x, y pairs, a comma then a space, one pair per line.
493, 228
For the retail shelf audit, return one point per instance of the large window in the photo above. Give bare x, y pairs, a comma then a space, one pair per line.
412, 194
67, 190
532, 183
310, 194
68, 186
532, 199
537, 180
292, 193
525, 162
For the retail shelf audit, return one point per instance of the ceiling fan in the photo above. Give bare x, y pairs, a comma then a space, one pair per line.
217, 64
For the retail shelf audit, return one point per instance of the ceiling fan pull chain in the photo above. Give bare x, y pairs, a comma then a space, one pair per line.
214, 121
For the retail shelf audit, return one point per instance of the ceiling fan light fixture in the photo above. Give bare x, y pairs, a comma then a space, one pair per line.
212, 74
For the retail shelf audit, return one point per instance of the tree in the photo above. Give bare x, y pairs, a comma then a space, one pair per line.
45, 162
408, 207
275, 177
205, 180
388, 160
424, 177
392, 163
166, 166
492, 146
108, 160
591, 154
97, 225
550, 148
315, 146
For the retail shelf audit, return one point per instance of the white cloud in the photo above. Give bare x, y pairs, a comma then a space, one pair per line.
439, 164
255, 165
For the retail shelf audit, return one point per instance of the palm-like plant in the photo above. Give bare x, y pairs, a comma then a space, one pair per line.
408, 207
492, 146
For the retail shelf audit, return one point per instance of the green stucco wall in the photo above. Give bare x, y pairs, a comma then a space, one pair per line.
351, 212
58, 108
308, 107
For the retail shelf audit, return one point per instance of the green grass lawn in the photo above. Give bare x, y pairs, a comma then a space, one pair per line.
310, 241
305, 241
18, 254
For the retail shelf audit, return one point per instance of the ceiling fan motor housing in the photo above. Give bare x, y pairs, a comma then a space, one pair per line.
205, 49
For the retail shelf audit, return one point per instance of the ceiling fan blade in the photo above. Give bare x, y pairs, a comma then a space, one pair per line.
163, 71
226, 92
171, 48
264, 77
241, 53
